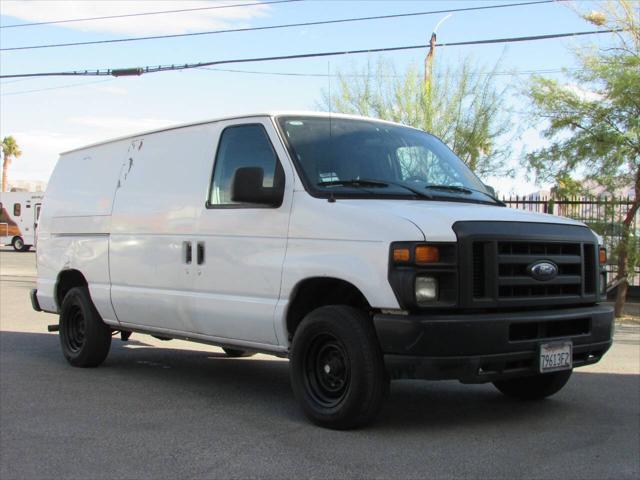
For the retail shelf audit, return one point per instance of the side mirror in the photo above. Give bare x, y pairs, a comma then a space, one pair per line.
247, 188
491, 190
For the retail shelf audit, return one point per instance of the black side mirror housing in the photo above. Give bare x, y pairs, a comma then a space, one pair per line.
491, 190
247, 188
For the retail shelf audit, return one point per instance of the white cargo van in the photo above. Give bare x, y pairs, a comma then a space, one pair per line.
362, 250
19, 213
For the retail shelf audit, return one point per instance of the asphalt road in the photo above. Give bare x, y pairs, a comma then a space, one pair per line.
178, 410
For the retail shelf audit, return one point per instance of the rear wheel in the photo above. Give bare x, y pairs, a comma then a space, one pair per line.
337, 370
84, 337
536, 387
19, 246
235, 353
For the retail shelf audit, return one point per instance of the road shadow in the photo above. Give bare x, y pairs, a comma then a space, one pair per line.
211, 381
178, 377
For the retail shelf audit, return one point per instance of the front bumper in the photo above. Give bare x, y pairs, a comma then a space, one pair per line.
477, 348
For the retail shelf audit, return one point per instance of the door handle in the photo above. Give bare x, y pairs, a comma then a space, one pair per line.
200, 253
186, 252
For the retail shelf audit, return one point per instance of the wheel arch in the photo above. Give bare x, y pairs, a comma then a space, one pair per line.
68, 279
315, 292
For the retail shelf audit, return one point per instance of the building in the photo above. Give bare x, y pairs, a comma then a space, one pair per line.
26, 185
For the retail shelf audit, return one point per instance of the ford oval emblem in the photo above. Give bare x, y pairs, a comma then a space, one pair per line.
543, 270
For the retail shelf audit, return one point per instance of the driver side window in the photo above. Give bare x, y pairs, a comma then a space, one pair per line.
240, 147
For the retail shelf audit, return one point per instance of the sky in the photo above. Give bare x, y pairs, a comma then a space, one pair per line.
46, 119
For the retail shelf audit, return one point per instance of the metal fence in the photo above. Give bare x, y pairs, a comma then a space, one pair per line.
603, 214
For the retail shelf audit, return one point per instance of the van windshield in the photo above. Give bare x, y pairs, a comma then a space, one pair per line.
360, 158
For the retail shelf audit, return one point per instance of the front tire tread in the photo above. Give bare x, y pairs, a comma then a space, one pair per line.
536, 387
368, 381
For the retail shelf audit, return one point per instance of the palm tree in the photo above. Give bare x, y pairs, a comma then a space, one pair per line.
9, 149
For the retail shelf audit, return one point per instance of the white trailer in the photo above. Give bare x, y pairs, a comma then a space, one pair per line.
19, 213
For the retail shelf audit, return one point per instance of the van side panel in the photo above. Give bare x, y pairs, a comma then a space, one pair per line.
88, 254
336, 240
162, 190
74, 226
83, 182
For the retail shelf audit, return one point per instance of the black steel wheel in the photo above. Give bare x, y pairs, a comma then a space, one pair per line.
337, 371
327, 370
235, 353
74, 327
536, 387
85, 339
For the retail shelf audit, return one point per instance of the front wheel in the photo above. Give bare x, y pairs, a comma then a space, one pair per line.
84, 337
337, 370
536, 387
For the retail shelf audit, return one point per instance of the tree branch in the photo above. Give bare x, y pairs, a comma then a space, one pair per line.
631, 213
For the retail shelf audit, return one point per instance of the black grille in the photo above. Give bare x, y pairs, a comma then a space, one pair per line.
550, 329
589, 269
514, 259
501, 260
478, 269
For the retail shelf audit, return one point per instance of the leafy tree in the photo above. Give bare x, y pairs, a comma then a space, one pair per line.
462, 107
593, 124
9, 149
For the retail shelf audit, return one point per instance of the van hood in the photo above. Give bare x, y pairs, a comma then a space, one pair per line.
436, 219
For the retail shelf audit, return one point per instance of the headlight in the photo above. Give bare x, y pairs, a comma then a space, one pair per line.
419, 254
424, 275
426, 290
602, 260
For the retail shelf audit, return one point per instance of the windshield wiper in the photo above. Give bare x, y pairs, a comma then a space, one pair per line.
453, 188
354, 183
364, 182
458, 188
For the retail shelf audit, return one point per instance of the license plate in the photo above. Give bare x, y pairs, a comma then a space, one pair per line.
555, 356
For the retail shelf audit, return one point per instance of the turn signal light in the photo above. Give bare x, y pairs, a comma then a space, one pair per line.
427, 254
603, 256
401, 255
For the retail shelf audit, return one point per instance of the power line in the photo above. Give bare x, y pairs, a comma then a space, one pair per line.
274, 27
164, 68
69, 85
15, 81
145, 13
289, 74
514, 73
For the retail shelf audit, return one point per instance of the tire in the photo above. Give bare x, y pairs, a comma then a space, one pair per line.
18, 245
536, 387
85, 339
342, 339
161, 337
235, 353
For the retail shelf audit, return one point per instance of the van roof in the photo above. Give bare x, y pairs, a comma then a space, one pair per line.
233, 117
